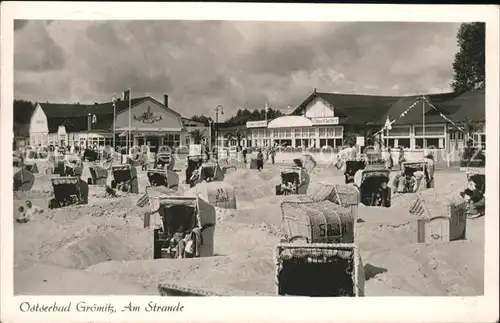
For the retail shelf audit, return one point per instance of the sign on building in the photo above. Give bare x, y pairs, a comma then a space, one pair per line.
360, 141
322, 121
257, 124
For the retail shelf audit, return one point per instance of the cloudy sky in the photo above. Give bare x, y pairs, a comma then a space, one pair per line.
201, 64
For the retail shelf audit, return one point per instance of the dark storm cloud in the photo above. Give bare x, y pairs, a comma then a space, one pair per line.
35, 50
238, 64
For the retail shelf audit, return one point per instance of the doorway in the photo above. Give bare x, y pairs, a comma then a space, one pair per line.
154, 144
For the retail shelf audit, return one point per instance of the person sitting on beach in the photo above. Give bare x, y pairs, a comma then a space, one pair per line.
419, 177
177, 244
22, 218
383, 195
32, 210
475, 201
410, 183
290, 187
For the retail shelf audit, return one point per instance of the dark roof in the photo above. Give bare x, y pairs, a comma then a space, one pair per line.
471, 105
415, 114
353, 108
359, 109
74, 116
63, 110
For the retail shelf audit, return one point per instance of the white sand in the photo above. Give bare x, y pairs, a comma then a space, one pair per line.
102, 248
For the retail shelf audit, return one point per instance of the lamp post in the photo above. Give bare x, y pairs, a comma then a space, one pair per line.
89, 120
218, 109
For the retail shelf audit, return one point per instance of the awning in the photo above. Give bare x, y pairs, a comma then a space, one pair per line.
289, 122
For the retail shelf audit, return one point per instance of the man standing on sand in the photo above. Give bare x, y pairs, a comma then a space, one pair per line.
273, 154
260, 160
244, 153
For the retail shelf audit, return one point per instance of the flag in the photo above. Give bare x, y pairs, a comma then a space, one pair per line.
388, 124
267, 107
126, 95
94, 118
114, 100
290, 107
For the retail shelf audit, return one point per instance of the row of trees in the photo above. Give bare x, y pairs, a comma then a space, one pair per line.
241, 117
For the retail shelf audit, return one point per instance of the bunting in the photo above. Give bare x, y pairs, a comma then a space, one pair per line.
445, 117
388, 124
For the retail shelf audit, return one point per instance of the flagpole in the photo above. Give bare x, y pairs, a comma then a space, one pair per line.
423, 122
114, 123
129, 143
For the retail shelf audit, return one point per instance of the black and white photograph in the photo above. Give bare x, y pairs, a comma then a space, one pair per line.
220, 157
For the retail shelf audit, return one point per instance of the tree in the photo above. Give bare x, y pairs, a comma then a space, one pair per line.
197, 135
203, 119
237, 135
242, 116
469, 63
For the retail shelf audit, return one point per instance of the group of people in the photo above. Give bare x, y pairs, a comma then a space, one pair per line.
185, 244
269, 152
27, 212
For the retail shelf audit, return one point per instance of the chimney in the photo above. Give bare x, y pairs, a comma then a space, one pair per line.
165, 100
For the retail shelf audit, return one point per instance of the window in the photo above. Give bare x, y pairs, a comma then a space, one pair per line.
456, 135
430, 130
404, 142
172, 140
298, 133
435, 143
392, 142
338, 142
339, 132
400, 132
483, 141
322, 142
298, 142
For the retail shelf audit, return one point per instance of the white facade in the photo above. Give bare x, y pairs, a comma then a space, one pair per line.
152, 124
318, 129
39, 128
318, 108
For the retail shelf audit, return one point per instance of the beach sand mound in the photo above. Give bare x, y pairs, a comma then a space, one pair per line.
251, 184
79, 236
50, 280
107, 238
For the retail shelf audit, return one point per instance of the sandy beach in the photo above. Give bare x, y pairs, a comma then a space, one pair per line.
102, 248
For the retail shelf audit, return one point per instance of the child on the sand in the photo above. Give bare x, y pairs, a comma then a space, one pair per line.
21, 218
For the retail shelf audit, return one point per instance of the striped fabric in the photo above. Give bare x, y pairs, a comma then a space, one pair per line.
417, 208
143, 200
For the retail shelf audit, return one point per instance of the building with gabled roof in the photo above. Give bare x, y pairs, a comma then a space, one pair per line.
152, 123
326, 119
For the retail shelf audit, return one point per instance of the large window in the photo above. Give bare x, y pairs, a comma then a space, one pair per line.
434, 135
398, 136
330, 136
173, 140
